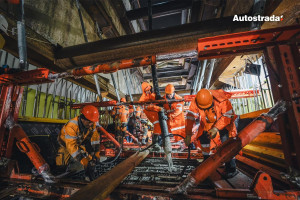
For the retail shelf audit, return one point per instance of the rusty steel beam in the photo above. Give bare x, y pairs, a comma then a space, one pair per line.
105, 184
174, 39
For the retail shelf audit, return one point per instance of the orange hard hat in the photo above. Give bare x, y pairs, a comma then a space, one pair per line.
91, 113
123, 99
146, 86
169, 89
204, 99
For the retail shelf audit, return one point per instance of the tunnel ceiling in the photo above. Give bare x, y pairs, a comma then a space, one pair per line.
119, 29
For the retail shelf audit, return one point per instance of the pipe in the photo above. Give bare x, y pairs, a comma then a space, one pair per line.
202, 75
112, 67
196, 81
127, 84
268, 84
211, 69
115, 86
172, 56
105, 184
116, 143
163, 124
22, 39
230, 148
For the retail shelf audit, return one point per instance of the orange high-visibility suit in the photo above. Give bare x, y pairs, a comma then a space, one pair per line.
220, 115
78, 142
176, 121
151, 110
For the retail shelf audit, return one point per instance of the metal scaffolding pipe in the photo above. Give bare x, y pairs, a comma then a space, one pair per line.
115, 85
211, 69
230, 148
105, 184
22, 39
202, 75
172, 56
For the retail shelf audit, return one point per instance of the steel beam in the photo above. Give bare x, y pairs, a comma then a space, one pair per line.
174, 39
165, 7
165, 74
105, 184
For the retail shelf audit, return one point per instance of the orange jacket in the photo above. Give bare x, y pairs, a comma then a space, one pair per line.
121, 114
176, 121
224, 115
151, 110
73, 139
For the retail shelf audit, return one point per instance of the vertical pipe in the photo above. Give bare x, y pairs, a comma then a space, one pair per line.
211, 69
202, 75
127, 84
162, 122
24, 101
258, 76
268, 84
54, 96
22, 38
197, 77
65, 102
46, 98
115, 85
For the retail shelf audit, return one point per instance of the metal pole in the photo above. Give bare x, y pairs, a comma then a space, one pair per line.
115, 85
268, 84
202, 74
211, 69
127, 84
162, 122
54, 96
196, 80
258, 76
46, 98
242, 86
86, 40
22, 38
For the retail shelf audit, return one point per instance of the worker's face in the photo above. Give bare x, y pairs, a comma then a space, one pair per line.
87, 123
147, 92
170, 96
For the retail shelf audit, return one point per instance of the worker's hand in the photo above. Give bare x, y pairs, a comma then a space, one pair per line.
187, 140
213, 132
84, 161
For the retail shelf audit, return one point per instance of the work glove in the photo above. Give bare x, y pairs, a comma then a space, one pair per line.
84, 161
213, 132
187, 140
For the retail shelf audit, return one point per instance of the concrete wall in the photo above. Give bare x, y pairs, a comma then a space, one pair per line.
56, 20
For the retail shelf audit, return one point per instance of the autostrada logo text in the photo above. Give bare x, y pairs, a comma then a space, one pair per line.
258, 18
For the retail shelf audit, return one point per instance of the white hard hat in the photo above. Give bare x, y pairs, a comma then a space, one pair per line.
3, 24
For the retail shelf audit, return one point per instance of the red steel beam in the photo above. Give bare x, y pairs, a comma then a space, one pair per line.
225, 45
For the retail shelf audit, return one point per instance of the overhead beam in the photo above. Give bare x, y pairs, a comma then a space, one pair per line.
165, 7
174, 39
166, 74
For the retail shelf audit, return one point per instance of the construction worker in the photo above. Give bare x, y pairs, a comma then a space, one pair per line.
216, 115
151, 112
79, 141
121, 114
176, 121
